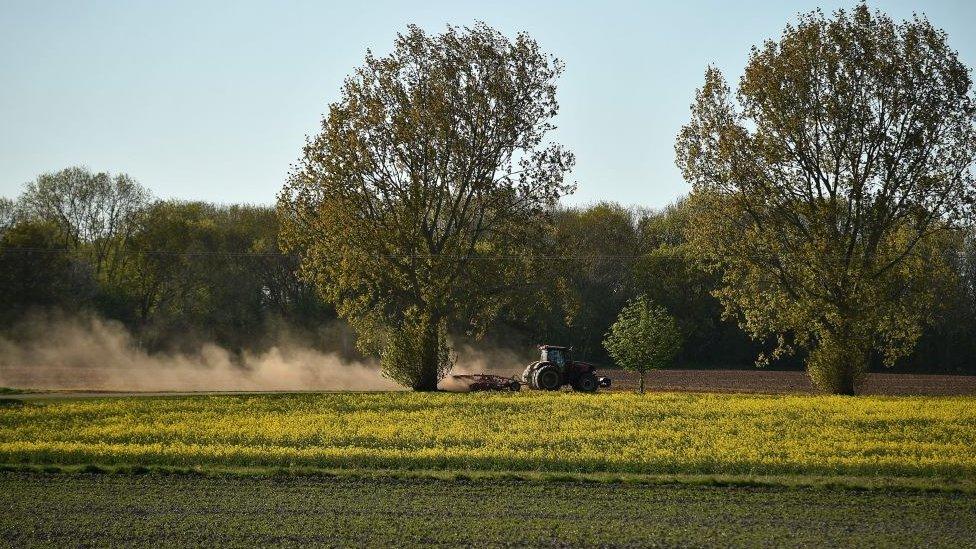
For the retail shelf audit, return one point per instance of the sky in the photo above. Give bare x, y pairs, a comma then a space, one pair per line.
213, 100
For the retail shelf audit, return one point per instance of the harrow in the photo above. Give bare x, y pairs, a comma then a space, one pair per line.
488, 382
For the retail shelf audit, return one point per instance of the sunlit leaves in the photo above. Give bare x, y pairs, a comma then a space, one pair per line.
826, 184
644, 337
431, 177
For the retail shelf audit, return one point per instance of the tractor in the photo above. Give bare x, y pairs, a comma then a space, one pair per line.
555, 368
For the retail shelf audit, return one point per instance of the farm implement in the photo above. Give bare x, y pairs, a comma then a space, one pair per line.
488, 382
554, 370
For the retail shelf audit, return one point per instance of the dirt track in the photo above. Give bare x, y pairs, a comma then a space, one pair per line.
769, 381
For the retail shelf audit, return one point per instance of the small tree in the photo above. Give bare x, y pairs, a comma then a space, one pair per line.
644, 336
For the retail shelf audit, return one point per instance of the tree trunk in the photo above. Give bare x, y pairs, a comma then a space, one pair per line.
429, 360
847, 384
839, 362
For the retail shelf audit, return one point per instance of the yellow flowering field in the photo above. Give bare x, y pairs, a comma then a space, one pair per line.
660, 433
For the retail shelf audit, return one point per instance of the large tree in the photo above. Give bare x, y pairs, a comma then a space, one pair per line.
824, 186
416, 205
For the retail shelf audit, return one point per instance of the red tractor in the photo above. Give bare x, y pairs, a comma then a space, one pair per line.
555, 368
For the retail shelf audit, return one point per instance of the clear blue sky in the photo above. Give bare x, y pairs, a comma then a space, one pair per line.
212, 101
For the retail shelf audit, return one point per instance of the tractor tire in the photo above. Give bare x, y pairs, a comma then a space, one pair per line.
587, 383
547, 378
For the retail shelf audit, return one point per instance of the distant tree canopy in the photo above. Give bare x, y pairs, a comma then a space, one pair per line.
176, 273
419, 203
826, 191
94, 212
597, 247
8, 213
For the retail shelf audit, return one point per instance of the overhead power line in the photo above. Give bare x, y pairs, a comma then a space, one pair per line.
211, 253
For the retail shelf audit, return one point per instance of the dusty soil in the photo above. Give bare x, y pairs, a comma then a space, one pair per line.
769, 381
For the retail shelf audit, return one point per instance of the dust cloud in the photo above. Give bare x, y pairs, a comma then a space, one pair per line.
473, 360
90, 353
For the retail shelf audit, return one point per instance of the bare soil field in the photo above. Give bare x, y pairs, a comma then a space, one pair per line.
718, 381
770, 381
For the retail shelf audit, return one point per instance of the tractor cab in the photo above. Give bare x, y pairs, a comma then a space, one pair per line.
556, 355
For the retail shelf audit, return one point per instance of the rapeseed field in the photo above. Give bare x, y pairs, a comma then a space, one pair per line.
662, 433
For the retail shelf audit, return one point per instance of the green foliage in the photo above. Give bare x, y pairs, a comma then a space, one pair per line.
594, 249
669, 273
949, 344
177, 274
644, 337
95, 214
34, 273
416, 349
825, 193
216, 272
430, 183
837, 366
8, 214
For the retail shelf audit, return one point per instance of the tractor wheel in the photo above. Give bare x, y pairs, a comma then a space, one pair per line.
587, 383
548, 378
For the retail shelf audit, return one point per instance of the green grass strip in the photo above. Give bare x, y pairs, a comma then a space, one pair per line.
900, 484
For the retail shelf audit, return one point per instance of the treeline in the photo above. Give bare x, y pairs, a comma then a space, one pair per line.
179, 274
175, 273
622, 253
